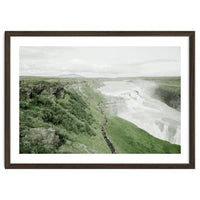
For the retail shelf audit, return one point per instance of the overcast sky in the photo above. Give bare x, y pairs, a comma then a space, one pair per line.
100, 61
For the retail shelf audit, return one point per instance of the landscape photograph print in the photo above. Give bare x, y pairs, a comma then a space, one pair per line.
100, 100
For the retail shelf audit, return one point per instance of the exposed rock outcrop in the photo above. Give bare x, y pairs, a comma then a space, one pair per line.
41, 136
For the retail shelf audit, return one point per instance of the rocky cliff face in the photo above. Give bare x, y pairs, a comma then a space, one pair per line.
50, 111
40, 137
52, 89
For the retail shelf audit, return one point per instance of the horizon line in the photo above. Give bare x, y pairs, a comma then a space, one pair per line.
94, 76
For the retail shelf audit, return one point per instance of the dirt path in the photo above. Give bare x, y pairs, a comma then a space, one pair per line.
109, 143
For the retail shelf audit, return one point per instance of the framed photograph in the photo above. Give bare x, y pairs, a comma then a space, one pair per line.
99, 99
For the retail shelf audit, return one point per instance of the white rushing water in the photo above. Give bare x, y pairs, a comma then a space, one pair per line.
134, 102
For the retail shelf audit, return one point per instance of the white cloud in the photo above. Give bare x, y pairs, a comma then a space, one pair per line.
100, 61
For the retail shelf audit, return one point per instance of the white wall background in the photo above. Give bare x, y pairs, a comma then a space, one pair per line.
98, 15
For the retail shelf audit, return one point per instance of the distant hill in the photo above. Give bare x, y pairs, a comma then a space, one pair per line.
71, 75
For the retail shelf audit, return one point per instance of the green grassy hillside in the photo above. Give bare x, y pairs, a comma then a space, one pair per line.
169, 91
128, 138
61, 116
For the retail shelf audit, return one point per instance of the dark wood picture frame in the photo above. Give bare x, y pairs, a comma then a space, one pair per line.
190, 34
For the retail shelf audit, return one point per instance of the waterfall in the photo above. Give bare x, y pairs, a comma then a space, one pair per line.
134, 101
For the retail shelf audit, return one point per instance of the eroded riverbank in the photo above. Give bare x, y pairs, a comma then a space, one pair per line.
134, 101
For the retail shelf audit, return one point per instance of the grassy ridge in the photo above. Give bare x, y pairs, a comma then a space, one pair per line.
61, 116
128, 138
54, 106
169, 91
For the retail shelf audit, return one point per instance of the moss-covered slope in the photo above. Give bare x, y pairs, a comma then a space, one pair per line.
61, 116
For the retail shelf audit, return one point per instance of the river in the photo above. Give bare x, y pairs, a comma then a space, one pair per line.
134, 101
